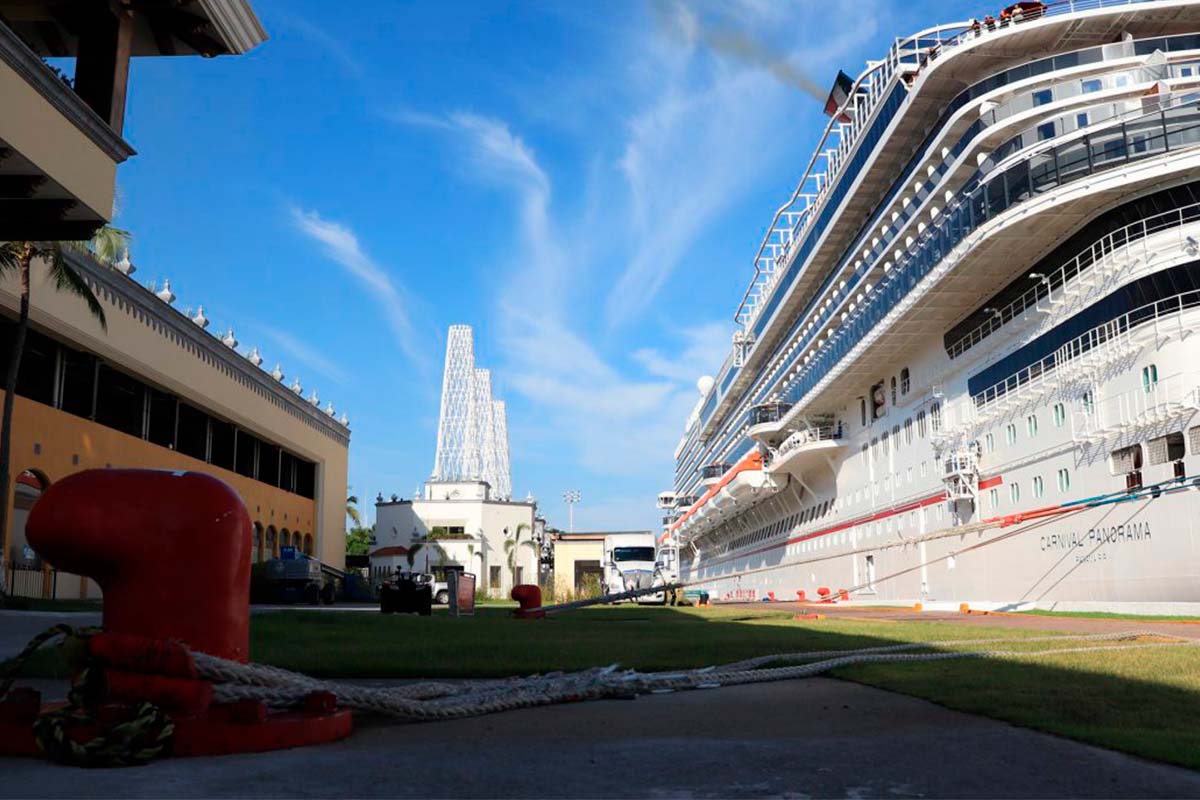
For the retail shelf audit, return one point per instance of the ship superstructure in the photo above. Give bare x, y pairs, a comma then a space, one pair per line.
964, 370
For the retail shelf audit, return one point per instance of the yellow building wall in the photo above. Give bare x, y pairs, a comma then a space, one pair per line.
54, 444
151, 351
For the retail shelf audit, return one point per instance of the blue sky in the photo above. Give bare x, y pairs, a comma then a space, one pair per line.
585, 184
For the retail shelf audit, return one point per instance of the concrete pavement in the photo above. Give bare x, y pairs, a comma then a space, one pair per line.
811, 738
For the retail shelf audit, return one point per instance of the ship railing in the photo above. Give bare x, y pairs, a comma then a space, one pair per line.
1104, 257
1158, 401
1091, 352
792, 220
808, 436
912, 53
827, 313
1174, 126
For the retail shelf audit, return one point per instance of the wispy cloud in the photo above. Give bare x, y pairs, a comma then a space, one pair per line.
307, 355
341, 245
589, 258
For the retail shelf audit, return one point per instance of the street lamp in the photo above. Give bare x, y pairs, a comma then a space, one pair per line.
571, 497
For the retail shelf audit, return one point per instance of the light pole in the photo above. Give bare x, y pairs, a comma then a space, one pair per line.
571, 497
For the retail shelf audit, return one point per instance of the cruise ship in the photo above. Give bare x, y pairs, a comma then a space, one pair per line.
964, 370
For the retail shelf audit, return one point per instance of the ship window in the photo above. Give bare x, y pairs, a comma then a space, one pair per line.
921, 424
1126, 460
905, 382
1185, 72
1038, 486
1091, 85
1194, 435
1014, 492
1165, 448
1087, 402
935, 417
908, 431
893, 390
896, 436
994, 498
1149, 378
1031, 423
1042, 96
862, 406
1060, 415
989, 443
1081, 120
1010, 433
1045, 131
1064, 479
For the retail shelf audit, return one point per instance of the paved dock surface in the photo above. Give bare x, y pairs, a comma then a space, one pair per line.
817, 737
811, 738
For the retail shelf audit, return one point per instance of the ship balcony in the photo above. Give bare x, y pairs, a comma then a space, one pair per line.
766, 423
711, 474
58, 157
806, 449
685, 501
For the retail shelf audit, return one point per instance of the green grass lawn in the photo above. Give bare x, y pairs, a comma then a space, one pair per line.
1037, 612
1144, 702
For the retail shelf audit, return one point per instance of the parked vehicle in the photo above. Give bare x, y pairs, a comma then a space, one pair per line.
629, 564
411, 593
295, 578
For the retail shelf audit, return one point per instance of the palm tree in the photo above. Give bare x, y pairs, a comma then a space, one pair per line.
352, 510
511, 546
19, 257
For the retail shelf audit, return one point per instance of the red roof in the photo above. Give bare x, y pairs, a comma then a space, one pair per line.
395, 550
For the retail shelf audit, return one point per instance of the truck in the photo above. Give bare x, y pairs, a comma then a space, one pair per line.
412, 592
295, 577
630, 563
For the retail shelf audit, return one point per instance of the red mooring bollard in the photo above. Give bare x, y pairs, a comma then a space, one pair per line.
171, 551
529, 597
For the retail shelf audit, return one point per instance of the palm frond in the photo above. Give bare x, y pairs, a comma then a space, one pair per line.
353, 514
66, 279
105, 246
10, 255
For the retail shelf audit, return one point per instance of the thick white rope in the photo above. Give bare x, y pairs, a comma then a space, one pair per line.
438, 700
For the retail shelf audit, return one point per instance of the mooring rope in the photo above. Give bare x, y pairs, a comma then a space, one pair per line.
440, 700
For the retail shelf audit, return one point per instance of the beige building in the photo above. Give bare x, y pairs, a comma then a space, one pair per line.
578, 562
458, 525
157, 390
60, 141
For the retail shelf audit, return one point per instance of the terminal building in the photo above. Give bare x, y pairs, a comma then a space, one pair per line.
155, 389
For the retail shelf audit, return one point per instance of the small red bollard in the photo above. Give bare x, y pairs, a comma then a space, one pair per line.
843, 594
772, 596
801, 596
529, 598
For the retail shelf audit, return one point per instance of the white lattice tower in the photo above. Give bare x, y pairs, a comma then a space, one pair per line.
483, 422
500, 434
458, 432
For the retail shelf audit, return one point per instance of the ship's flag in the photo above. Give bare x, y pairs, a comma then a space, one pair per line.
843, 85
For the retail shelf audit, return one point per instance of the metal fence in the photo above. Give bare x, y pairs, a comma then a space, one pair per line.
29, 580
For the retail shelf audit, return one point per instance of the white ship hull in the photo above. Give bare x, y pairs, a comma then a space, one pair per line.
992, 395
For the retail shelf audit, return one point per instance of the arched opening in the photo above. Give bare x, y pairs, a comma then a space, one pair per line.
308, 544
285, 538
27, 573
256, 543
272, 547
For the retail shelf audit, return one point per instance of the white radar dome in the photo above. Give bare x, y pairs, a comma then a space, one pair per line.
705, 384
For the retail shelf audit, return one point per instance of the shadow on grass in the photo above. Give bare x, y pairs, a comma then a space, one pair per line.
1143, 702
